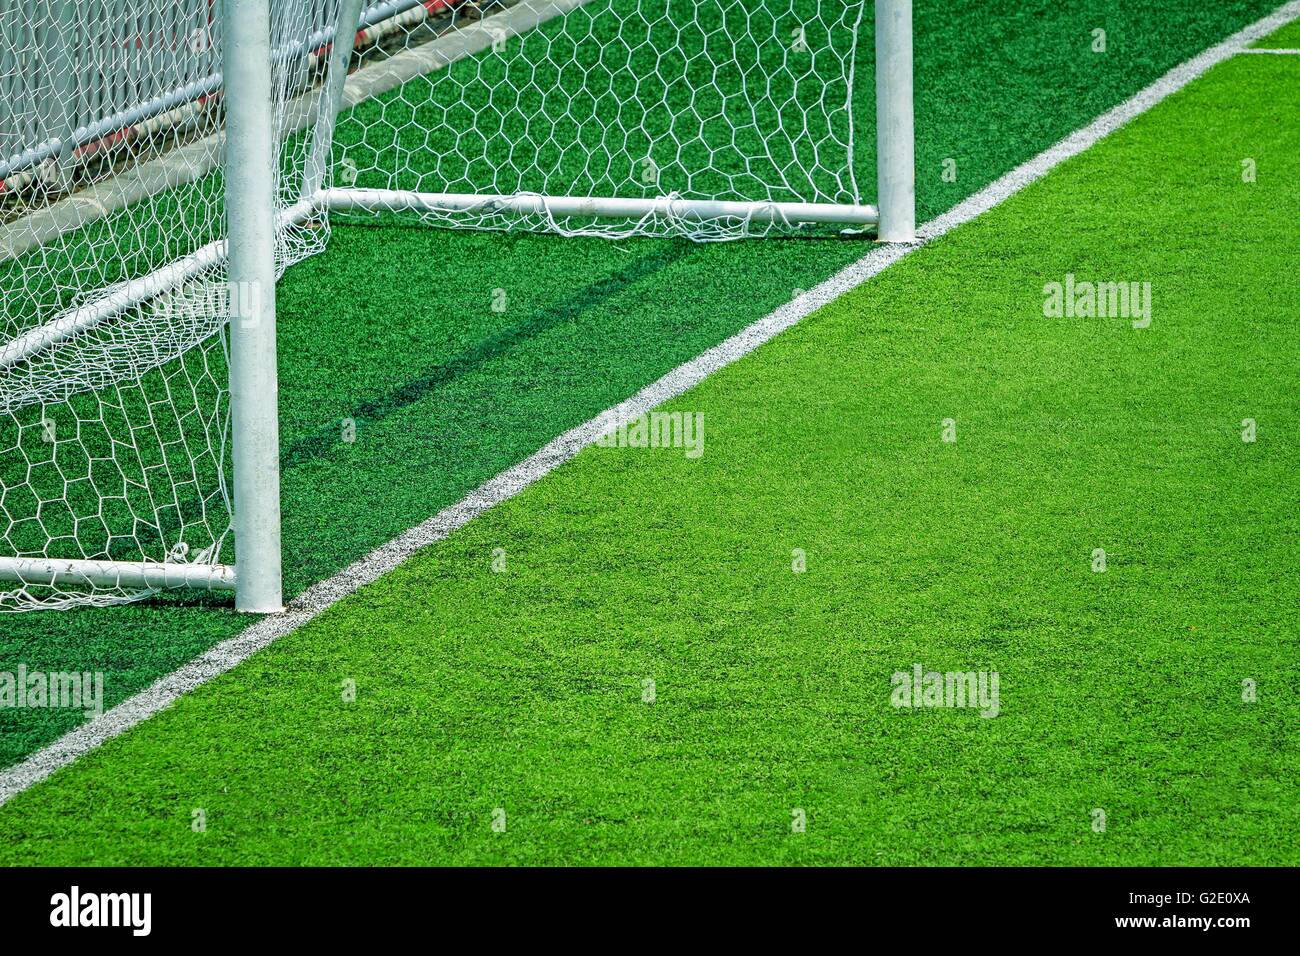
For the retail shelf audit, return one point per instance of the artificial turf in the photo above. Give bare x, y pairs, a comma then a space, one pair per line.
463, 392
519, 694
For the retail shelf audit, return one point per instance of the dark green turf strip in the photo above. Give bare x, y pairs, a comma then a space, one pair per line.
1120, 691
997, 82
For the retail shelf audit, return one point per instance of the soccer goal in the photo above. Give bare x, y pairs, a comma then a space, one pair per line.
162, 163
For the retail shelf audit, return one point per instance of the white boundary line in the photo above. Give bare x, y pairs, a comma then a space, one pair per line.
1281, 52
320, 597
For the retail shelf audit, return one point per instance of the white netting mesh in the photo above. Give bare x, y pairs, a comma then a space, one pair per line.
113, 439
744, 100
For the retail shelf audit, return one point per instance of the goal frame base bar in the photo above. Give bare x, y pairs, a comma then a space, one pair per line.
131, 575
131, 293
340, 199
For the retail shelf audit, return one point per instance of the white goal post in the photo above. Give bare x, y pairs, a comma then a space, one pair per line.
140, 245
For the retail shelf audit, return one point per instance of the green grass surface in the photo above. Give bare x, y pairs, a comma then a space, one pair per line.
462, 391
1121, 690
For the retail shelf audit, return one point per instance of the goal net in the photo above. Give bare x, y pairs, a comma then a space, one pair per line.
712, 119
162, 162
